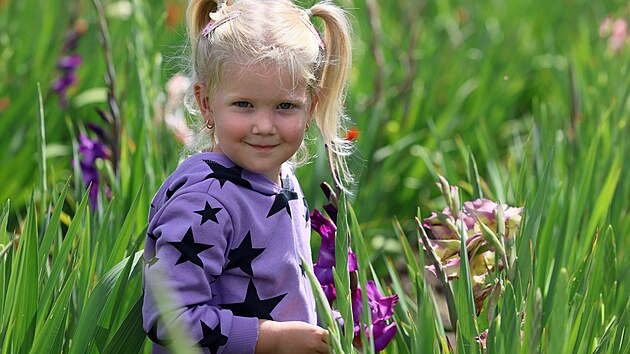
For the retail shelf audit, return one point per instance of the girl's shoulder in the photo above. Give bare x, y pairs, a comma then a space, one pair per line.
216, 175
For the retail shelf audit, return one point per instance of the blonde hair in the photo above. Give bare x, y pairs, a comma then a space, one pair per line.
280, 33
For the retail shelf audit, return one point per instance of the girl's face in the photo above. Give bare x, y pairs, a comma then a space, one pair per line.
259, 117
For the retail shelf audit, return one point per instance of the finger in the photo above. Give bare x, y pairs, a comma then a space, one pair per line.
326, 336
323, 348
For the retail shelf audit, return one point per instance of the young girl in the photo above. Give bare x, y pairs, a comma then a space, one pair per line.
228, 229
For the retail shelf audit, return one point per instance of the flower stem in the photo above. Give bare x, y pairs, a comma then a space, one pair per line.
441, 275
110, 81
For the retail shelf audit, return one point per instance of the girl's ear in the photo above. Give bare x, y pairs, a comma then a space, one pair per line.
203, 102
311, 111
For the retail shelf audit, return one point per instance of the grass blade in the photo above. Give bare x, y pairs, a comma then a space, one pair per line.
95, 305
324, 310
24, 305
61, 258
124, 236
52, 227
466, 323
473, 176
130, 336
51, 331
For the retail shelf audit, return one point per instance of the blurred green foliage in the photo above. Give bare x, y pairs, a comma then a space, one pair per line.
532, 89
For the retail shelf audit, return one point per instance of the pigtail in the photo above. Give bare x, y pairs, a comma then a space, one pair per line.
330, 114
197, 17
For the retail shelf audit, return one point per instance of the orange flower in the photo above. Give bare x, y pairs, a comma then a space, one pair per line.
174, 11
352, 134
5, 102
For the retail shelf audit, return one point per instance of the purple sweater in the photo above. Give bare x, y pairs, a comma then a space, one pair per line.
227, 242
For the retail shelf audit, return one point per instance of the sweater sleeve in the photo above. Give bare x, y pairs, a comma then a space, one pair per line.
185, 253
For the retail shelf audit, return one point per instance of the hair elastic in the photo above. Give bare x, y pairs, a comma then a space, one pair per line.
307, 22
212, 25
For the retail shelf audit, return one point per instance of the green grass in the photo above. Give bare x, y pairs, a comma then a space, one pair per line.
527, 89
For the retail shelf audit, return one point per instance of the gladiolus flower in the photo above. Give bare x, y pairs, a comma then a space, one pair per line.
326, 257
381, 310
478, 221
381, 307
68, 66
91, 150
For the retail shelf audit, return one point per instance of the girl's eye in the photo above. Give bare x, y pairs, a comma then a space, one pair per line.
242, 104
286, 105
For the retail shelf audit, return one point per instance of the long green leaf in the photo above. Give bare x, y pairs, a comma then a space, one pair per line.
412, 263
560, 321
96, 304
467, 323
60, 262
5, 267
130, 336
340, 271
526, 240
51, 331
510, 322
113, 305
52, 227
363, 262
324, 310
41, 142
604, 199
473, 176
123, 237
24, 307
604, 343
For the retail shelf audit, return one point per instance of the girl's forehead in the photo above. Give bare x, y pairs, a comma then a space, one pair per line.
252, 76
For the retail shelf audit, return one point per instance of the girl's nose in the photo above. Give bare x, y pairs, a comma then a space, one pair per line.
263, 123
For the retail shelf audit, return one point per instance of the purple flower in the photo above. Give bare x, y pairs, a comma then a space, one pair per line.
486, 209
381, 310
69, 63
484, 235
68, 66
326, 257
383, 334
91, 150
381, 307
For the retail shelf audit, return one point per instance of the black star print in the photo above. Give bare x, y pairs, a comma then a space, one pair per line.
302, 270
208, 213
232, 174
152, 334
242, 256
286, 183
282, 202
189, 249
212, 338
308, 217
253, 306
171, 190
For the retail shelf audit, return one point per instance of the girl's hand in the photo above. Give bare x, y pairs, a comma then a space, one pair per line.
291, 337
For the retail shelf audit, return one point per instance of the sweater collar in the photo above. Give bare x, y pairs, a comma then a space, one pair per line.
223, 169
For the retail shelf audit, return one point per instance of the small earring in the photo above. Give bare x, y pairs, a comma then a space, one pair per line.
209, 126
